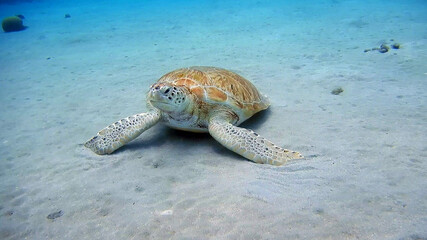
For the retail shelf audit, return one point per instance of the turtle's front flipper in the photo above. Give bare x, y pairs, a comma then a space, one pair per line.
121, 132
248, 143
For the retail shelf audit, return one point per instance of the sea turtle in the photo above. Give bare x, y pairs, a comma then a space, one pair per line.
200, 99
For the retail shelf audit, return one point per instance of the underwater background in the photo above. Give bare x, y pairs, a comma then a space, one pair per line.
347, 81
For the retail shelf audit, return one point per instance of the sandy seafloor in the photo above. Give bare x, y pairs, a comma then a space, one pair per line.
365, 171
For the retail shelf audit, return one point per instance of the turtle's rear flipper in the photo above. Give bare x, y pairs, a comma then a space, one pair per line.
248, 143
121, 132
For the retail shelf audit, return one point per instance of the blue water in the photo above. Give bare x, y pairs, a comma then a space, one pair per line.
62, 79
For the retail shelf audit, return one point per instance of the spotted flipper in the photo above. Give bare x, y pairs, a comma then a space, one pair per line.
121, 132
248, 143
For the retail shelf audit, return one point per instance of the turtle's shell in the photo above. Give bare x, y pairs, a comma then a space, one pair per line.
219, 86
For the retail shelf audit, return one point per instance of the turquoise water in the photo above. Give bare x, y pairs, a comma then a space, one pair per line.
64, 78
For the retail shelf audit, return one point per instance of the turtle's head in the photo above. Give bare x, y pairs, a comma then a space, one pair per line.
168, 98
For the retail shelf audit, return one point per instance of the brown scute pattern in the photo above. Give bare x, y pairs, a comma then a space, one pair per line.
216, 94
249, 144
240, 92
121, 132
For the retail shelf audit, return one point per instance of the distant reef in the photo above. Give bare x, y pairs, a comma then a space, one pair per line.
14, 1
13, 24
384, 47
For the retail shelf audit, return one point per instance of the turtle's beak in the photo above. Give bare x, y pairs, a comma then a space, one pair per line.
160, 93
167, 98
159, 96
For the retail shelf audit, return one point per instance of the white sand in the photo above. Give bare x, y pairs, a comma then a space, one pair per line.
364, 175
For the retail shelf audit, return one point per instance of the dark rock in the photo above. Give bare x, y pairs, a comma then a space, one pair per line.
12, 24
337, 91
67, 15
55, 215
384, 48
395, 46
